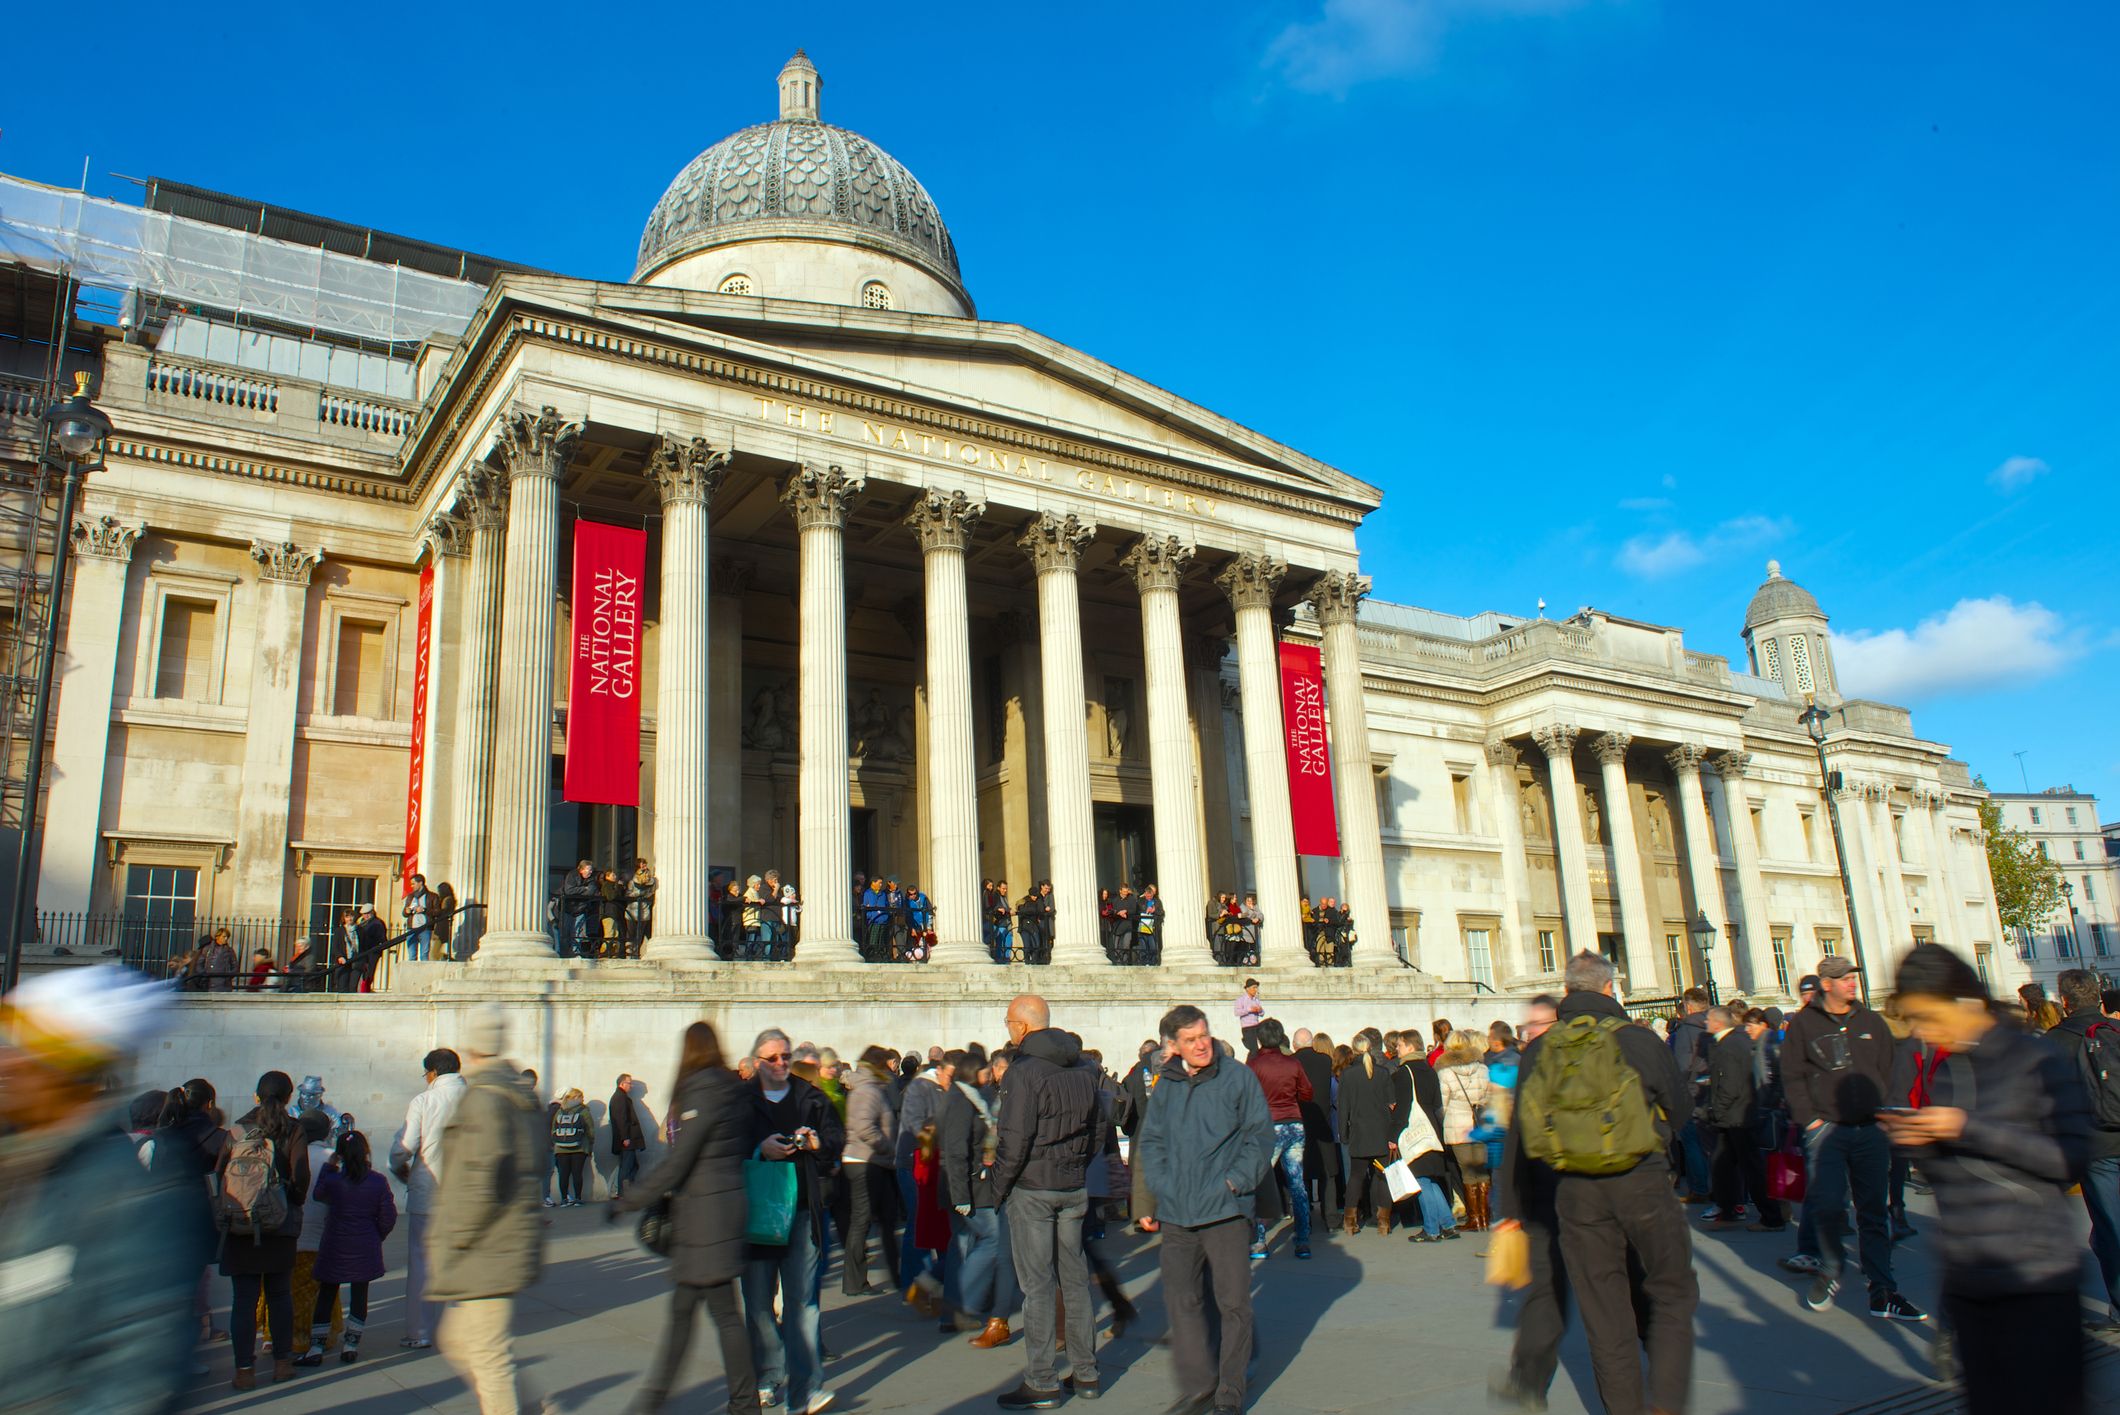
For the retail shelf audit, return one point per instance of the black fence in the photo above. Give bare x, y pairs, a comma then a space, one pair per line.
1648, 1009
171, 948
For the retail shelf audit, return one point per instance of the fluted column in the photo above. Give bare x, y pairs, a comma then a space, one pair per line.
1517, 931
1158, 564
1054, 545
446, 544
1702, 868
1251, 581
1558, 743
818, 498
268, 748
1337, 598
88, 676
1751, 887
729, 579
1640, 940
1949, 922
942, 522
686, 473
1891, 879
533, 452
1203, 661
483, 500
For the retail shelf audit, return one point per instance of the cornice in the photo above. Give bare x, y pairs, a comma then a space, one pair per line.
154, 452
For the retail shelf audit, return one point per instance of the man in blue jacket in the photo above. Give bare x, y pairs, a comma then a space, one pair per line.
1204, 1147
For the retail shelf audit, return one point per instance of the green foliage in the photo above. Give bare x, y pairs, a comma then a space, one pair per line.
2027, 883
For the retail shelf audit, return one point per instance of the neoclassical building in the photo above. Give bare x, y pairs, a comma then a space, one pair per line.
927, 595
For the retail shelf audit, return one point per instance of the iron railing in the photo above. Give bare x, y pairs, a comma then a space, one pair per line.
164, 948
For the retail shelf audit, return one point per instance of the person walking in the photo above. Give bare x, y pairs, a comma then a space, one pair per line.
1048, 1125
702, 1173
1689, 1047
2090, 1042
215, 963
871, 1177
1288, 1088
1837, 1067
791, 1124
1368, 1130
628, 1137
919, 1109
2006, 1132
979, 1281
262, 1180
1731, 1120
1524, 1199
416, 1159
573, 1133
1598, 1102
1206, 1144
486, 1241
1250, 1013
359, 1213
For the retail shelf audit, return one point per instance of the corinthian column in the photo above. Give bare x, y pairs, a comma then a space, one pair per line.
1703, 870
1751, 887
1517, 935
1891, 878
818, 497
1337, 597
1251, 581
1054, 545
1158, 564
73, 806
943, 522
446, 544
534, 450
268, 747
1949, 922
483, 500
686, 473
1558, 743
1640, 933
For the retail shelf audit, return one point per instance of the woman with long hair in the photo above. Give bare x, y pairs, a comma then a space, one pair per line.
1366, 1130
188, 1144
362, 1215
702, 1173
573, 1133
263, 1261
1465, 1088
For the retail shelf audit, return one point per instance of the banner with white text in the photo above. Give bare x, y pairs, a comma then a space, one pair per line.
422, 663
1309, 763
603, 685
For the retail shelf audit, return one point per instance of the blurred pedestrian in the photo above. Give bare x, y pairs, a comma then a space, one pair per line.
416, 1159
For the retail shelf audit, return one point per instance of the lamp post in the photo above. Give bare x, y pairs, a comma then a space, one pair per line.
1703, 940
1813, 720
2068, 903
75, 431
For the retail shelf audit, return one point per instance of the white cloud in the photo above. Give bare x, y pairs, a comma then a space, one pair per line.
1975, 645
1355, 41
1651, 556
2017, 472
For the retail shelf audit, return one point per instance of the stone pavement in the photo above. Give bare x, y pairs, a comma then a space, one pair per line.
1371, 1324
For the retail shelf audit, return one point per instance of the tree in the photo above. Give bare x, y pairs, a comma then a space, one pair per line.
2027, 883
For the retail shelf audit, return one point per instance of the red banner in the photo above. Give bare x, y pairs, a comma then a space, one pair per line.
422, 657
603, 688
1309, 763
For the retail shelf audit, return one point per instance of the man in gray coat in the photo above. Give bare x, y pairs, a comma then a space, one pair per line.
1205, 1146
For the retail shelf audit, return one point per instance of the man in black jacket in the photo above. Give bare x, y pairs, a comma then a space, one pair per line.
980, 1281
1837, 1064
793, 1123
1609, 1222
1731, 1117
2101, 1184
1689, 1047
628, 1139
1047, 1126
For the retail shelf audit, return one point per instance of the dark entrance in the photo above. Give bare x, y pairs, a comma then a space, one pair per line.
1126, 846
862, 845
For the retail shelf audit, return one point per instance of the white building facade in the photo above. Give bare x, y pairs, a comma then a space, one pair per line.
2083, 931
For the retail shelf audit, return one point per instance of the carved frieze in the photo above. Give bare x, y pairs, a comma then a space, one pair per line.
105, 538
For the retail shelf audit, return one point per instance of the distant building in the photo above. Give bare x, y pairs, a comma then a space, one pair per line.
2084, 932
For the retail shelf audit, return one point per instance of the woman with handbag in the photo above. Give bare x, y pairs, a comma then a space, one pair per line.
695, 1204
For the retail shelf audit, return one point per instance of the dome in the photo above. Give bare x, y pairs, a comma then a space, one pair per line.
799, 179
1780, 599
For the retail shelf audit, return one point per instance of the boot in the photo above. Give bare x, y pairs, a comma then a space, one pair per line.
1352, 1221
246, 1378
1384, 1219
994, 1334
1483, 1195
282, 1371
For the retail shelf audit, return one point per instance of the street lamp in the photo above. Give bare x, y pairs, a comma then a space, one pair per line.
1813, 720
75, 431
2068, 902
1704, 939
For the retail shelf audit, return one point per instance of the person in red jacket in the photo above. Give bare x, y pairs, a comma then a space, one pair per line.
1287, 1088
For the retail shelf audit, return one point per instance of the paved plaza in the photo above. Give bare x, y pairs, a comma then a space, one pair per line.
1371, 1325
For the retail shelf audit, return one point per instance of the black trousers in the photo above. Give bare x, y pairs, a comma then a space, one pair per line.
1739, 1170
1602, 1221
2010, 1347
279, 1315
872, 1199
1542, 1320
571, 1168
1325, 1172
356, 1305
736, 1368
1223, 1252
1362, 1176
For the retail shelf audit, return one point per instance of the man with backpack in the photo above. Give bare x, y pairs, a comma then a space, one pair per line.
1597, 1103
2091, 1045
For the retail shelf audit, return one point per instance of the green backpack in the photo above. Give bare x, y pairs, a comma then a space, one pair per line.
1582, 1107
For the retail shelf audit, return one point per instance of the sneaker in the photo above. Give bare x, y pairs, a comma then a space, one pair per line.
1422, 1235
1801, 1263
1302, 1250
1894, 1308
314, 1356
820, 1401
1451, 1235
1029, 1397
1823, 1290
1258, 1252
550, 1205
1506, 1390
771, 1396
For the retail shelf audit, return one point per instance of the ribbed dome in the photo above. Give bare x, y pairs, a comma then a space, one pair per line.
1779, 599
803, 179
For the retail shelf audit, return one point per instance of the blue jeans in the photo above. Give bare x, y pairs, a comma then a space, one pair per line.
1855, 1160
625, 1171
982, 1275
1288, 1155
1698, 1180
1435, 1208
416, 945
785, 1352
2101, 1195
913, 1259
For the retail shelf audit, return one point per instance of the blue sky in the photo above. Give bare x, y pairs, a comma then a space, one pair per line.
1615, 298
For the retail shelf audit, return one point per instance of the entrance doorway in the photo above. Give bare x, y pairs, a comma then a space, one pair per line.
862, 843
1126, 846
1613, 946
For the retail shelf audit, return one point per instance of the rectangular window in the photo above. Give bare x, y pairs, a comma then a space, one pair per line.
1548, 958
1675, 956
328, 894
1759, 827
1461, 802
2064, 946
1479, 956
184, 663
358, 686
2028, 946
2042, 851
2098, 940
2079, 849
2071, 814
2035, 815
1810, 833
1828, 941
1781, 962
161, 912
1387, 812
2090, 890
1980, 961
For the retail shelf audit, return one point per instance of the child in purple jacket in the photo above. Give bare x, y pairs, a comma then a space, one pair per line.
362, 1215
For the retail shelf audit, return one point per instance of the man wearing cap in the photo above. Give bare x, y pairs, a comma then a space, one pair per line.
1836, 1066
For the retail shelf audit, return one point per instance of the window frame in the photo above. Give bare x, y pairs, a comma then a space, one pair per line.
214, 588
362, 607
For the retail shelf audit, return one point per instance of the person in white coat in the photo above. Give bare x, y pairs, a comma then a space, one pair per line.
416, 1159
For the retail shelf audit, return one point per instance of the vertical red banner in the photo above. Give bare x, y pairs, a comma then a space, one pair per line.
603, 685
1309, 763
422, 662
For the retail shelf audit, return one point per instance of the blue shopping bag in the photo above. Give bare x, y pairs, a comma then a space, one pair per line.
769, 1185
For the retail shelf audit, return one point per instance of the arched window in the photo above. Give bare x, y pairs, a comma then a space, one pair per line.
876, 295
736, 285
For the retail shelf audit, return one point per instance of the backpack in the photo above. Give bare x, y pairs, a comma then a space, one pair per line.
2099, 1061
252, 1202
1582, 1106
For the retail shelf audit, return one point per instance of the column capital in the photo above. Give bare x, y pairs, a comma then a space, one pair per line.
943, 520
1055, 542
538, 444
482, 497
446, 533
1252, 580
1158, 562
1610, 748
687, 469
1556, 739
728, 576
1204, 652
105, 538
1731, 766
1502, 752
820, 496
1686, 756
1337, 596
284, 561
